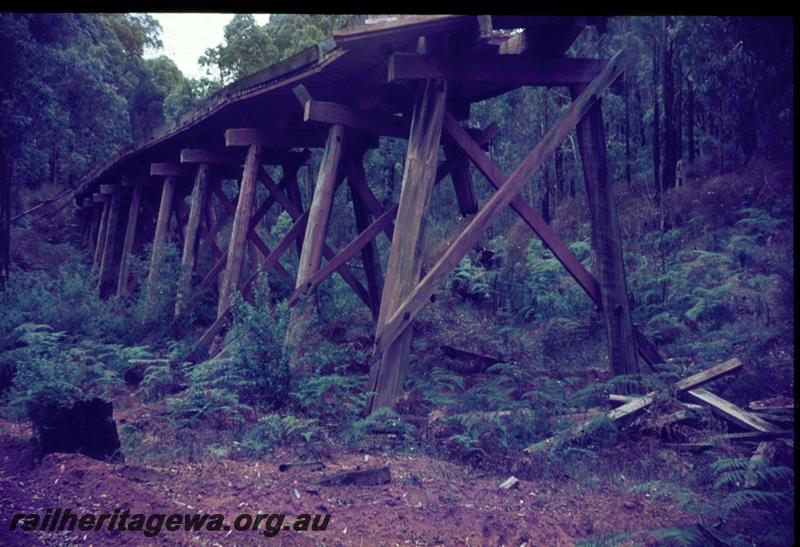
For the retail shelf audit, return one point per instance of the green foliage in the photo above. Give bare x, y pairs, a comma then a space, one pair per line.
774, 483
687, 498
54, 368
254, 373
249, 47
470, 280
382, 420
550, 291
212, 408
274, 429
262, 365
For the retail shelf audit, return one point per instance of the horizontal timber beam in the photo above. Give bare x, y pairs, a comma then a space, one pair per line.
166, 169
213, 157
110, 189
286, 138
507, 69
378, 123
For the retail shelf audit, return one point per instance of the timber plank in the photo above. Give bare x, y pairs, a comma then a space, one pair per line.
107, 259
730, 411
191, 239
277, 138
101, 232
347, 252
209, 156
378, 123
640, 403
166, 169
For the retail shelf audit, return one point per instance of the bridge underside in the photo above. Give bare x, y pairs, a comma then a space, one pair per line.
411, 78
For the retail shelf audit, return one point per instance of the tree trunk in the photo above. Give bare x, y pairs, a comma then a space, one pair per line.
5, 219
668, 175
690, 120
656, 135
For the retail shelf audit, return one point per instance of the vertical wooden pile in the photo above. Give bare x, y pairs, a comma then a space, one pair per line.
403, 269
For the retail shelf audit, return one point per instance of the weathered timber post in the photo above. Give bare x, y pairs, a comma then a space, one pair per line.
241, 227
607, 243
369, 254
405, 259
101, 230
462, 181
160, 238
127, 245
110, 244
290, 169
95, 225
191, 239
214, 241
314, 239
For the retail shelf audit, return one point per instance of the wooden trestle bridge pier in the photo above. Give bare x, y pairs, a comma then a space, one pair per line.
407, 77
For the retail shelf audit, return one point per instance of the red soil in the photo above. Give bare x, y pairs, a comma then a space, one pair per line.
428, 502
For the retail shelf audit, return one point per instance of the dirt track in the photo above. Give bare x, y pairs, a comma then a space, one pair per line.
428, 502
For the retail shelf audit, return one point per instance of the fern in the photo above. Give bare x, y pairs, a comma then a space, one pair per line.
775, 485
747, 498
274, 429
686, 536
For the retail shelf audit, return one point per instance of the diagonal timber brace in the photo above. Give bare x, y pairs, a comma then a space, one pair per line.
581, 275
402, 315
383, 222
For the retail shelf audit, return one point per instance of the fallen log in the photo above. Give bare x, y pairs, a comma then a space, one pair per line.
509, 483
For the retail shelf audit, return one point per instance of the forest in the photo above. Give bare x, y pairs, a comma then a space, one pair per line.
505, 430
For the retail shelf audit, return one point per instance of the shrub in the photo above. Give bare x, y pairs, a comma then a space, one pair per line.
274, 429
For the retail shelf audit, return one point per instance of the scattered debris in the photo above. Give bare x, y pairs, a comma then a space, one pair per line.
362, 477
639, 403
730, 411
763, 456
750, 436
304, 466
469, 362
772, 403
509, 483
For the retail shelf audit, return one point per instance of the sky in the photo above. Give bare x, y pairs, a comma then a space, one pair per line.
186, 36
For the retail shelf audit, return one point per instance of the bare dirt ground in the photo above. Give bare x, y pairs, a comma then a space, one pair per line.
427, 502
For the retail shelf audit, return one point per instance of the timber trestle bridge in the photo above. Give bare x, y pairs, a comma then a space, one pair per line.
403, 77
